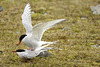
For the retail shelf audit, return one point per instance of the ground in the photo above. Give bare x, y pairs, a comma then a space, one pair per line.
74, 47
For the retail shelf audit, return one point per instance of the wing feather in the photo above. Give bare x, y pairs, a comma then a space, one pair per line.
40, 28
26, 19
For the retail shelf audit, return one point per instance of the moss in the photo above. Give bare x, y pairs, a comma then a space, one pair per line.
38, 16
74, 48
92, 43
42, 10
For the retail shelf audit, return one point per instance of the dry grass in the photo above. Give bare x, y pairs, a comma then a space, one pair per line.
74, 49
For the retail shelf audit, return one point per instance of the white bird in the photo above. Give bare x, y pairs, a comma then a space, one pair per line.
28, 54
33, 35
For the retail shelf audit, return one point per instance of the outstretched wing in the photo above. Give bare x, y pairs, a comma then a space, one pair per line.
40, 28
26, 19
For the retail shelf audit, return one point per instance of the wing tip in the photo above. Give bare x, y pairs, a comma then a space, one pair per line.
62, 19
28, 3
27, 9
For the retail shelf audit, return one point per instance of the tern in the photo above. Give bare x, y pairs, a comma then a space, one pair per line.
28, 54
33, 35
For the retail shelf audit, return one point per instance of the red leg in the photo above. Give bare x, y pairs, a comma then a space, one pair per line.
32, 50
32, 60
25, 60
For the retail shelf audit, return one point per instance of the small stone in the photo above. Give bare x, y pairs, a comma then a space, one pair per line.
32, 12
17, 32
45, 54
1, 52
66, 28
1, 8
83, 18
95, 9
60, 49
3, 20
96, 46
45, 13
11, 0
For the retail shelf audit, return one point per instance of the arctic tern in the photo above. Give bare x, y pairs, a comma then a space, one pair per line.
33, 35
28, 54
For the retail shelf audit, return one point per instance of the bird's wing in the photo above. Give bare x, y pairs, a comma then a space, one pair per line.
26, 19
39, 29
32, 54
48, 48
42, 47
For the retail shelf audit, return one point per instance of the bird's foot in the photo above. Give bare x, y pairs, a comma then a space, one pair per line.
26, 60
31, 61
32, 50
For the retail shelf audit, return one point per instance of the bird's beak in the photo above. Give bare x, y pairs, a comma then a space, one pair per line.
13, 51
19, 43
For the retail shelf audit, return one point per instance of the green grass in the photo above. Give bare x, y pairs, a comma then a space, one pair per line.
74, 49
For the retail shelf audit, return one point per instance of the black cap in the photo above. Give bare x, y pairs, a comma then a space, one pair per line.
20, 50
22, 36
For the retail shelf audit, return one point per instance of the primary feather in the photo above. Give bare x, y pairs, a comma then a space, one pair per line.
40, 28
26, 19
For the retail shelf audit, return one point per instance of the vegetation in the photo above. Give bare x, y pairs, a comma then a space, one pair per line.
74, 48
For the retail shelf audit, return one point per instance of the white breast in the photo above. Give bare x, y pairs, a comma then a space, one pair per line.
31, 43
21, 54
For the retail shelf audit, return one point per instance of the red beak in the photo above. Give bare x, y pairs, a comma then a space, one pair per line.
13, 51
19, 43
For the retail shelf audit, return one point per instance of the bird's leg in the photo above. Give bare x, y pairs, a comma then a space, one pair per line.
31, 60
32, 50
25, 60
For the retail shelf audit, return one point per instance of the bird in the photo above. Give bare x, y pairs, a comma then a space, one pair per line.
28, 54
34, 34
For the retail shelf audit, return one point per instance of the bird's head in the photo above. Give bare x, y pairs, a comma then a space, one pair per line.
21, 38
20, 52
